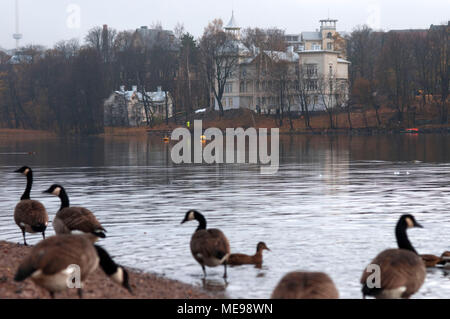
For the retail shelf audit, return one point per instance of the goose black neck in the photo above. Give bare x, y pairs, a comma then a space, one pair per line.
201, 221
106, 263
402, 238
64, 198
26, 194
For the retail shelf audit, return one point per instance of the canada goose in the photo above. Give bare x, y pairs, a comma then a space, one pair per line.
51, 263
209, 247
241, 259
402, 271
30, 215
70, 219
305, 285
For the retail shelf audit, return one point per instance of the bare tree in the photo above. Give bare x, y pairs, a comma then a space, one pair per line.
327, 88
303, 86
219, 58
440, 48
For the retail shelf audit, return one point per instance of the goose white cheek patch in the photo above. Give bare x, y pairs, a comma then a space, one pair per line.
118, 276
56, 191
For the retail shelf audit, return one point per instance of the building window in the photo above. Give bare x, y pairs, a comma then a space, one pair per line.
248, 86
242, 86
329, 35
311, 85
230, 102
329, 46
228, 88
311, 69
316, 47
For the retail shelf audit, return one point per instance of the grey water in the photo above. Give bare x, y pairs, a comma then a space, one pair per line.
331, 207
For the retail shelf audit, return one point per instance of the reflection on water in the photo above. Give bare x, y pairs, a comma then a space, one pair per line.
331, 207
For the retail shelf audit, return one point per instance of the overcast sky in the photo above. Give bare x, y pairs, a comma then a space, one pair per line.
47, 21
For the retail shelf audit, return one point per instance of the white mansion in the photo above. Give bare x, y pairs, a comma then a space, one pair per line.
314, 58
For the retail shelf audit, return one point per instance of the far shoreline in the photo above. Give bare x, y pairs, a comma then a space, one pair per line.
360, 124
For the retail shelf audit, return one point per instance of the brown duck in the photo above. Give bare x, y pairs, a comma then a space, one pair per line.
30, 215
242, 259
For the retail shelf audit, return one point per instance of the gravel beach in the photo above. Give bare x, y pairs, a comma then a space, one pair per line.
97, 286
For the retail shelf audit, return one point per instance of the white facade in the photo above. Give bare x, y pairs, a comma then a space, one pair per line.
127, 108
251, 88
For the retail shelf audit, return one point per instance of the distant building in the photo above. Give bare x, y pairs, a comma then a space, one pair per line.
324, 39
131, 108
150, 38
320, 55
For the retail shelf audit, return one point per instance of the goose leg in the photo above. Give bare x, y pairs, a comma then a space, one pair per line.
24, 240
43, 234
80, 293
225, 270
204, 271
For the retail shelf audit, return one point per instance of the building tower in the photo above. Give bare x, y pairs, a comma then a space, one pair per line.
233, 28
17, 36
328, 31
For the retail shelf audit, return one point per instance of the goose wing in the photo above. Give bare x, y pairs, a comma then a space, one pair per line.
305, 285
210, 243
56, 253
399, 268
79, 218
31, 212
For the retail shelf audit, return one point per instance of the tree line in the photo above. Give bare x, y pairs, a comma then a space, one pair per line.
63, 88
402, 70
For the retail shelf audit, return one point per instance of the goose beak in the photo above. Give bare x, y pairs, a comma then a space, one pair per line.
418, 225
17, 171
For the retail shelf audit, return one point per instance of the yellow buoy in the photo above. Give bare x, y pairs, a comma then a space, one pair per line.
166, 139
203, 138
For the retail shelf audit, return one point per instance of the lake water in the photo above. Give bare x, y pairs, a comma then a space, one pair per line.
331, 207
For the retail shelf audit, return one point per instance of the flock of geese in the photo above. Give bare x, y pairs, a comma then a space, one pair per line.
402, 271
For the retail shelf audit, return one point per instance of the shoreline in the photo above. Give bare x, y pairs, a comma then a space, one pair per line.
348, 132
97, 286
